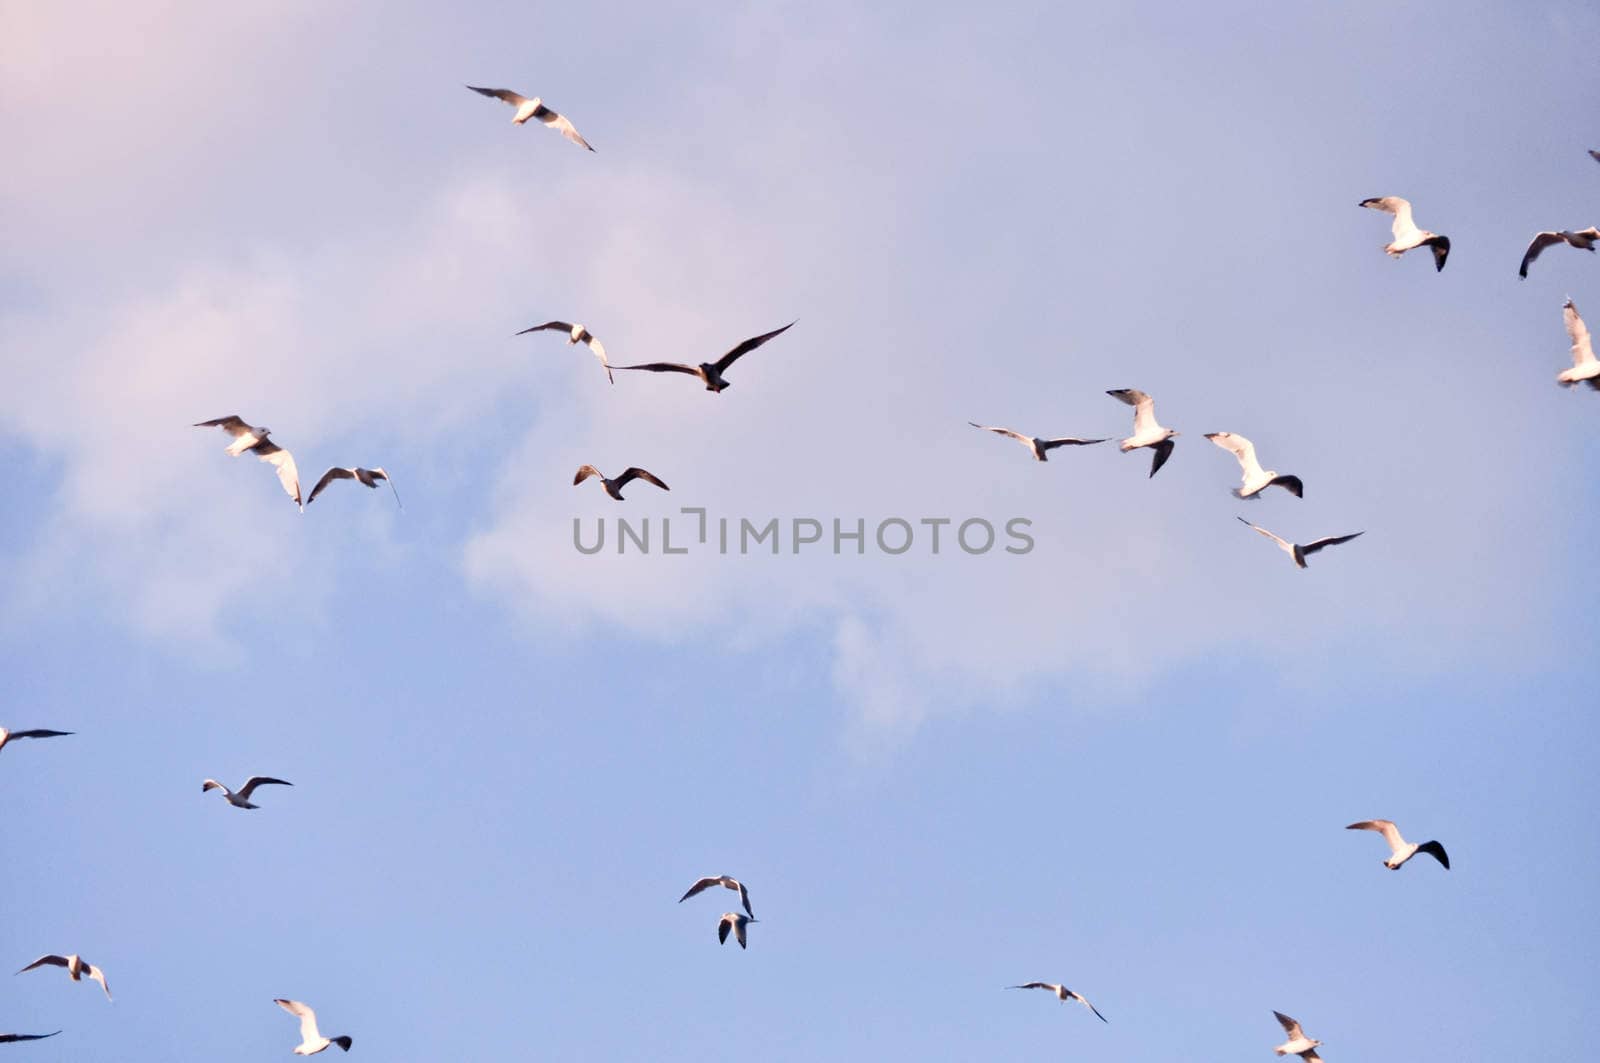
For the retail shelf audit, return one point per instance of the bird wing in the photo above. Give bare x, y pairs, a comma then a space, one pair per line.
1595, 155
1068, 441
508, 96
700, 887
1435, 850
1163, 451
556, 121
1039, 985
1018, 436
663, 367
328, 478
744, 895
584, 472
1081, 999
633, 472
383, 474
1144, 408
1283, 543
8, 1038
283, 461
1440, 245
39, 733
1578, 332
1390, 832
1310, 1055
747, 346
723, 926
233, 424
1540, 242
212, 784
1239, 447
562, 326
1400, 208
1332, 540
307, 1017
599, 352
1290, 1027
739, 926
99, 976
52, 960
259, 780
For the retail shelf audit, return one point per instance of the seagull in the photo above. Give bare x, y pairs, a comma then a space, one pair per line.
1063, 994
1584, 365
1402, 849
614, 487
1298, 1043
1583, 239
311, 1039
242, 798
1256, 479
735, 921
1406, 233
1040, 447
576, 334
248, 437
1299, 552
711, 372
7, 736
1146, 432
370, 477
534, 108
76, 967
721, 880
8, 1038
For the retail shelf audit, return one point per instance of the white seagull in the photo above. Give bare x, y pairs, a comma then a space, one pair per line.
1256, 479
1583, 239
614, 487
721, 880
1040, 447
1406, 233
1298, 1043
311, 1039
1146, 432
241, 799
534, 108
1401, 850
1300, 551
7, 736
76, 967
8, 1038
576, 334
1584, 365
735, 921
248, 437
710, 373
1063, 994
369, 477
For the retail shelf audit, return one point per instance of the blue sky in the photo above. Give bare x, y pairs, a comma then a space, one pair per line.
1122, 761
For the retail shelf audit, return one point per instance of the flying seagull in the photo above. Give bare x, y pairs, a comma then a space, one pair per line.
369, 477
76, 967
8, 1038
1040, 447
248, 437
1584, 365
1146, 432
576, 334
1300, 551
721, 880
1298, 1043
241, 799
710, 373
735, 921
7, 736
1583, 239
534, 108
1256, 479
614, 487
1406, 233
1063, 994
1402, 850
311, 1039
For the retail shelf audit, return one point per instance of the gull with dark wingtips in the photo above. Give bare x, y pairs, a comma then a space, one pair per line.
1063, 994
311, 1039
77, 967
1401, 850
736, 922
534, 108
1406, 234
1256, 479
1301, 551
576, 334
1040, 447
248, 437
710, 373
1146, 431
1583, 240
367, 477
727, 881
241, 798
1298, 1043
614, 487
1585, 369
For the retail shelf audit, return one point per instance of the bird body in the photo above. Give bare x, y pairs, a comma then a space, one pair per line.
1063, 994
735, 921
614, 487
241, 799
527, 108
8, 736
1297, 551
367, 477
576, 334
249, 437
1256, 479
77, 967
1585, 367
1401, 850
1147, 432
311, 1039
1298, 1043
1406, 233
1583, 239
727, 881
710, 373
1040, 447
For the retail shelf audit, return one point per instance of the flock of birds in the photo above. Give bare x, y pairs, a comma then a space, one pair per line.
1147, 433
